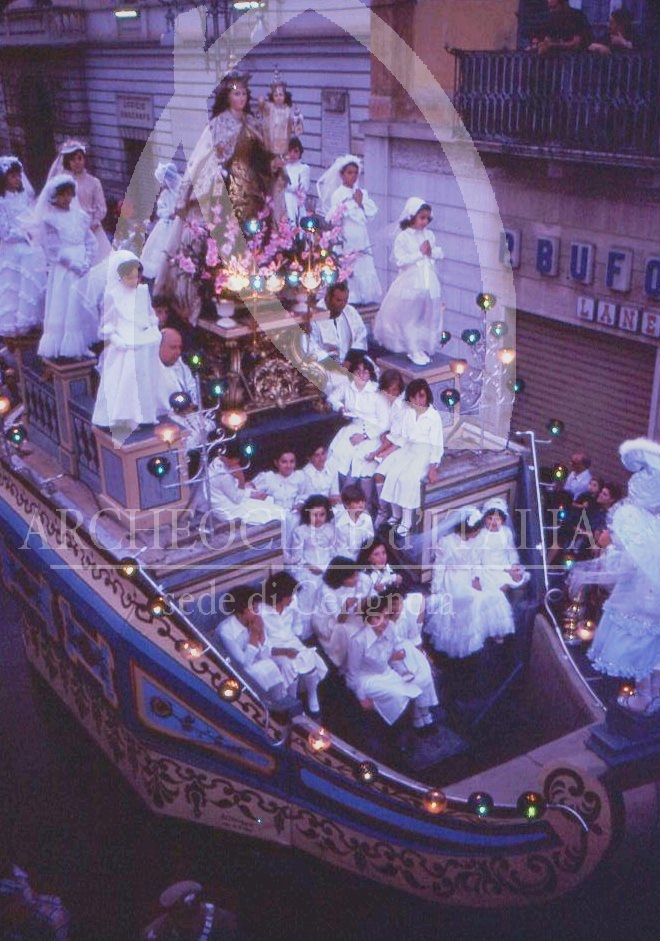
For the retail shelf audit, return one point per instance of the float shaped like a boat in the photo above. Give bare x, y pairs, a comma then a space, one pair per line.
199, 742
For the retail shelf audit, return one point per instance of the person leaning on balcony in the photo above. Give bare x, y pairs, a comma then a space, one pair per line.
564, 29
619, 34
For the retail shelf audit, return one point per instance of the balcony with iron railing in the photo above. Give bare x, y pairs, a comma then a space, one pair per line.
51, 25
582, 106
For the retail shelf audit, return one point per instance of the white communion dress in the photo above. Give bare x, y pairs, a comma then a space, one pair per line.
410, 315
22, 268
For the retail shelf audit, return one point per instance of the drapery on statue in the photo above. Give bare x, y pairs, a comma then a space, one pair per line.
230, 160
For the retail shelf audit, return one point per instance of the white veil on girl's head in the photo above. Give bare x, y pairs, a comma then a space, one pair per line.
412, 207
7, 161
495, 503
115, 261
168, 176
45, 201
329, 181
68, 147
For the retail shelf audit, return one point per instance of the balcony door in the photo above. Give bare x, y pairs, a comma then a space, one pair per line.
37, 119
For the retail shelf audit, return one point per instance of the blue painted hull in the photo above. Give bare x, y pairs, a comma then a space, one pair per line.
161, 718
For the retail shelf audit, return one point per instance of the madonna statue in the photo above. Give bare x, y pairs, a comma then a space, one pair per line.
231, 159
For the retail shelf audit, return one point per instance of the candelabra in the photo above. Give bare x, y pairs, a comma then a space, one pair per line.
484, 388
196, 421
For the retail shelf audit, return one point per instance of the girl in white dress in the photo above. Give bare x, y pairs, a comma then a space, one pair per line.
357, 398
354, 526
410, 318
284, 627
22, 263
72, 159
233, 496
495, 548
372, 652
286, 486
374, 560
297, 188
312, 547
339, 187
463, 613
127, 391
153, 253
336, 616
70, 246
420, 446
406, 620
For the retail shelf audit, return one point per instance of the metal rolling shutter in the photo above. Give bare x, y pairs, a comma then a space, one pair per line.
599, 385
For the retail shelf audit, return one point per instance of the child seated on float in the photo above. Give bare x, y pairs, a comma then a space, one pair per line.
234, 497
336, 616
285, 485
496, 557
374, 560
406, 620
372, 653
312, 547
321, 476
354, 527
463, 612
243, 635
420, 446
284, 628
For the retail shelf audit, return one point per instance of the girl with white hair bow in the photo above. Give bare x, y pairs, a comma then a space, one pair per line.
67, 239
22, 263
339, 187
410, 318
153, 253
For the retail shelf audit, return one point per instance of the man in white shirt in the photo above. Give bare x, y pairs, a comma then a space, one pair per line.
344, 328
174, 375
579, 476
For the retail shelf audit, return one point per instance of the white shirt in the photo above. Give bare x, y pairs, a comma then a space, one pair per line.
352, 534
577, 484
235, 637
368, 653
171, 379
325, 481
336, 336
286, 492
422, 429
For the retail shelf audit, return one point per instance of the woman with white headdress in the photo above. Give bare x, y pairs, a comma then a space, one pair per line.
72, 159
410, 318
627, 641
339, 188
153, 253
127, 395
22, 263
67, 239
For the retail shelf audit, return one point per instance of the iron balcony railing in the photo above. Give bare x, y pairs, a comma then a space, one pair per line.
46, 25
607, 105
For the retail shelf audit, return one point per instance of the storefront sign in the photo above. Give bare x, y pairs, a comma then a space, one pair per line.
626, 317
580, 262
136, 111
